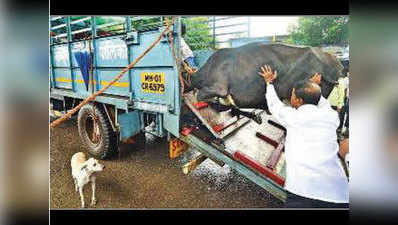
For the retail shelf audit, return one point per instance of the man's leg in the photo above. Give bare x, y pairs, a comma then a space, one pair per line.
323, 204
341, 117
348, 113
191, 62
296, 201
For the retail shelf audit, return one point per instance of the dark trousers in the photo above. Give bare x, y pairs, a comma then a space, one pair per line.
191, 62
347, 112
296, 201
344, 111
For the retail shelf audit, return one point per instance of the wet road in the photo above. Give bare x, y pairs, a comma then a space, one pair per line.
148, 178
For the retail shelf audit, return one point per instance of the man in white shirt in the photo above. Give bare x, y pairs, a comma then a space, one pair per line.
314, 175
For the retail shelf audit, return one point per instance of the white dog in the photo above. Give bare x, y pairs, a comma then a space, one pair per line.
83, 172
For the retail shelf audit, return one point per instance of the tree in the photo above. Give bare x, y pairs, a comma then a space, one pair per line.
320, 30
198, 34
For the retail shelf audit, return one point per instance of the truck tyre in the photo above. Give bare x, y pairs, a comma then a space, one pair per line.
100, 139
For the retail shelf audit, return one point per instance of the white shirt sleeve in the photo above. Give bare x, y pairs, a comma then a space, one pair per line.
283, 113
186, 52
323, 103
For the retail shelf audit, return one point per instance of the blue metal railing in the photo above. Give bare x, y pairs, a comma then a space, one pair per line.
219, 29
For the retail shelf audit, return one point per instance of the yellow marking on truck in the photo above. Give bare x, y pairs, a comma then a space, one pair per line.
63, 79
152, 82
56, 113
68, 80
116, 84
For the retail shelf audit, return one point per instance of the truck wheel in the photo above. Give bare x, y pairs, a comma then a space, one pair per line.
96, 131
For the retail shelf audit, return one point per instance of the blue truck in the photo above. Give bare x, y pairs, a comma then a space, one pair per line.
85, 56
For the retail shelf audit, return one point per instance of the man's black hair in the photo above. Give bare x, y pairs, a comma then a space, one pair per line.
308, 91
183, 29
346, 67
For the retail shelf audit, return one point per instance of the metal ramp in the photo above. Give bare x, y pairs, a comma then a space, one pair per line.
247, 153
257, 146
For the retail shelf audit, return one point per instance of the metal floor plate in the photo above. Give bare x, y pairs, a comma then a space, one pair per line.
249, 144
241, 135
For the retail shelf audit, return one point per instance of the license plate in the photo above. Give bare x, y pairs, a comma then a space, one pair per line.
152, 82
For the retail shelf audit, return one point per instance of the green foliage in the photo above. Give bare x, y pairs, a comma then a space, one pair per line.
137, 23
320, 30
146, 23
100, 20
198, 33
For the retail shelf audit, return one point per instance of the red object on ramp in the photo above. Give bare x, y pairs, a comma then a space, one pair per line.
219, 127
275, 156
267, 139
260, 168
200, 105
186, 130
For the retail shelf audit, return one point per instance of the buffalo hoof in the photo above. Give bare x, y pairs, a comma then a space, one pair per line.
257, 119
234, 112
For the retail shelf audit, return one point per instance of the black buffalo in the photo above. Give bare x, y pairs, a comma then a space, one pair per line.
229, 78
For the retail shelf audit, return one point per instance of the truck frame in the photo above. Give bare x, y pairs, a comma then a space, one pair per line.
149, 95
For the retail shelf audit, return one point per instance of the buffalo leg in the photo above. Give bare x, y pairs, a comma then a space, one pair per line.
235, 111
228, 102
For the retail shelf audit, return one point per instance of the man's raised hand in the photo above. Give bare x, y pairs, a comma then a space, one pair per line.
267, 74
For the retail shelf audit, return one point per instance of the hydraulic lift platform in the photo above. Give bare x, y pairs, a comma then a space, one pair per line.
254, 150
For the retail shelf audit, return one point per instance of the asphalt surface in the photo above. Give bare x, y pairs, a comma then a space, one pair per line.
148, 178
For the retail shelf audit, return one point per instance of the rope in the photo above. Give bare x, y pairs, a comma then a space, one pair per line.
186, 67
93, 96
190, 71
171, 40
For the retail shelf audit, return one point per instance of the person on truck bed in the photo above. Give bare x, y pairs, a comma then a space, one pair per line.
344, 113
315, 177
338, 99
186, 52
